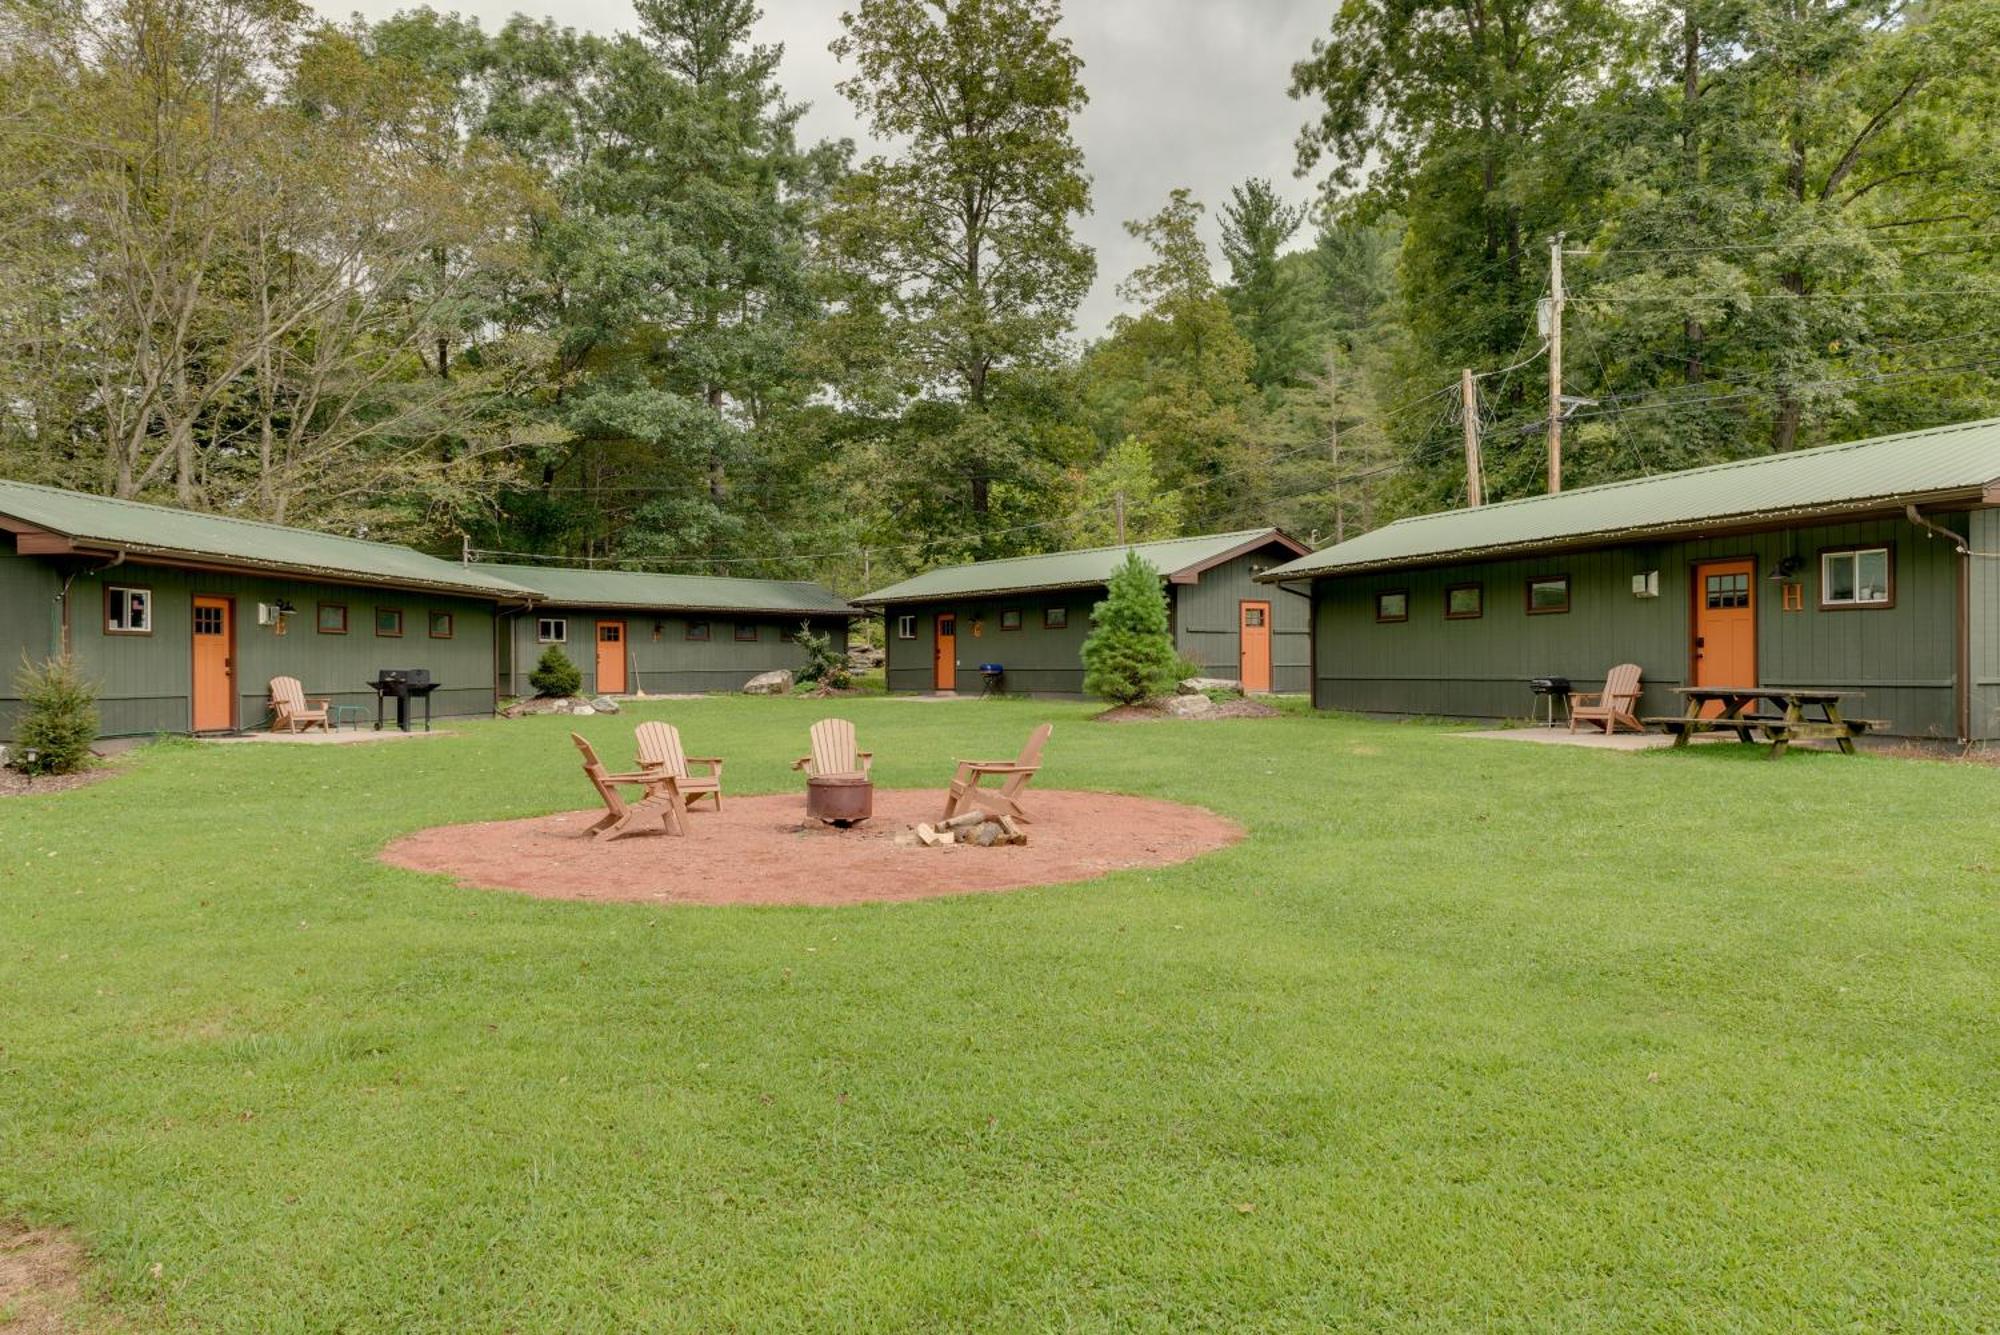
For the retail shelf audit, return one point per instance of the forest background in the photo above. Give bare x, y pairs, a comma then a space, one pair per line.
591, 299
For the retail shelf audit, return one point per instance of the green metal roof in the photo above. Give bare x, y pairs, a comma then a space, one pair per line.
669, 593
158, 531
1942, 463
1183, 557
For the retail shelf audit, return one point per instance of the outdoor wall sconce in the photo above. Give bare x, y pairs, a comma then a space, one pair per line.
274, 615
1787, 567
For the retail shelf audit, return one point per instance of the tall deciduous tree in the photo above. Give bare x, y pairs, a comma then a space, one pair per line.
962, 261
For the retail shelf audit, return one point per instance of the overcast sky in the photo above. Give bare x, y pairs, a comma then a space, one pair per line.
1182, 92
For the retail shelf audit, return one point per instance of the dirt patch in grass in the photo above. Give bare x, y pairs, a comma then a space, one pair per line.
763, 850
13, 783
1151, 713
41, 1273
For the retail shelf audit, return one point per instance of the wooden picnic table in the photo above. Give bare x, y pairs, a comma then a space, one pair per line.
1742, 715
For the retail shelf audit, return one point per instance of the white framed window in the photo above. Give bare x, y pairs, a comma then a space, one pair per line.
1857, 577
906, 627
551, 630
128, 611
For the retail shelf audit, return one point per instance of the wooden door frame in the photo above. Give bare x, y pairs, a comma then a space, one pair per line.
194, 662
1694, 611
937, 650
597, 653
1270, 646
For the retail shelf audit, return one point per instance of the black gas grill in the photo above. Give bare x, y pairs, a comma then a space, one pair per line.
1551, 689
403, 685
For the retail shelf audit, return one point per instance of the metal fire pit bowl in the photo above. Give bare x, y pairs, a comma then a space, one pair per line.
840, 799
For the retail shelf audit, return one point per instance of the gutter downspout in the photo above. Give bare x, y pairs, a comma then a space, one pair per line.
1962, 665
62, 626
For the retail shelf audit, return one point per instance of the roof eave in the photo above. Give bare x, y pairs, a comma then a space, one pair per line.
619, 605
1739, 523
185, 560
1190, 574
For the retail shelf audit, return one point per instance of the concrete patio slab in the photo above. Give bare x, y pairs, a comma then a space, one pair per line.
1590, 741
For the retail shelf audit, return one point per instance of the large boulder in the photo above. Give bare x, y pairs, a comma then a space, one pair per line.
604, 704
1188, 706
770, 683
1203, 685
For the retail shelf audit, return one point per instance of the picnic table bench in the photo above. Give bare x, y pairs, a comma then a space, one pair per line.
1741, 714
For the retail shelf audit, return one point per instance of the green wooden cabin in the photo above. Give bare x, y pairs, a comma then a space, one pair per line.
1030, 615
182, 619
1871, 566
660, 634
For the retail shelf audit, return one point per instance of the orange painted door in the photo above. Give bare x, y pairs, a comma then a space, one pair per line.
611, 658
214, 665
1254, 630
1725, 623
944, 655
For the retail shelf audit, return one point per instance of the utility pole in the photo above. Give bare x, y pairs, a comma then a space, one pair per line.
1555, 363
1118, 501
1333, 443
1468, 399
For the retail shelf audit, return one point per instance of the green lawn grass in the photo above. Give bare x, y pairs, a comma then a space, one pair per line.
1466, 1034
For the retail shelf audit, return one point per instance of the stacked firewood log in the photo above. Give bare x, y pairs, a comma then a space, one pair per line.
972, 827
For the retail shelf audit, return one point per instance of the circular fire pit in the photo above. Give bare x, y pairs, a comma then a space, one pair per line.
840, 799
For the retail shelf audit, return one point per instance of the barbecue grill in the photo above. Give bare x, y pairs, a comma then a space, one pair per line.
402, 685
1550, 689
993, 678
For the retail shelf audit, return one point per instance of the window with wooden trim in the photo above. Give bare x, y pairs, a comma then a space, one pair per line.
1548, 594
697, 630
1010, 618
746, 632
551, 630
441, 625
1464, 602
1392, 605
128, 610
389, 622
1055, 618
1857, 577
906, 627
331, 619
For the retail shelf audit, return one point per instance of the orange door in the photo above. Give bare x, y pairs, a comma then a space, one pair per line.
1254, 628
214, 665
1725, 623
611, 658
944, 656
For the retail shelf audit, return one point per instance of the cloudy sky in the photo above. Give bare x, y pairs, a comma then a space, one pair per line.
1182, 92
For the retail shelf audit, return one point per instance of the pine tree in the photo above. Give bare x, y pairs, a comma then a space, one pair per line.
1130, 656
555, 676
58, 717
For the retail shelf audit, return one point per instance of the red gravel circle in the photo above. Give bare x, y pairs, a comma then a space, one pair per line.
763, 850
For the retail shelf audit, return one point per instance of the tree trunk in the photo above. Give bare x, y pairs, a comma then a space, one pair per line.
718, 481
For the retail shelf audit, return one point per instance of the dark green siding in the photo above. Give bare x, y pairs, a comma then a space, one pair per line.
1984, 620
1039, 660
1208, 620
30, 621
1901, 657
144, 681
662, 660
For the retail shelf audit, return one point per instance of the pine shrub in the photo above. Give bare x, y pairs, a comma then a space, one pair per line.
58, 717
555, 676
824, 664
1129, 656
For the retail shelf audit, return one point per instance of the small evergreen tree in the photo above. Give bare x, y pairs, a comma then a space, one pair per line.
824, 663
58, 717
1130, 655
555, 675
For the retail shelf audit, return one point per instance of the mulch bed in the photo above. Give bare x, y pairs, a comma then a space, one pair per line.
1150, 713
13, 783
763, 850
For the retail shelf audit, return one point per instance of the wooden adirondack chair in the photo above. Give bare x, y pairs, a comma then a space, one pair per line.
660, 806
660, 753
1014, 774
291, 712
833, 751
1612, 706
